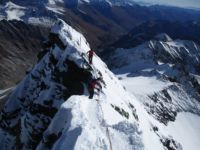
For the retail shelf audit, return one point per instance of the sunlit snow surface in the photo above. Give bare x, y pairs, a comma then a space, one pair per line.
142, 85
14, 11
83, 123
186, 129
87, 119
88, 124
145, 77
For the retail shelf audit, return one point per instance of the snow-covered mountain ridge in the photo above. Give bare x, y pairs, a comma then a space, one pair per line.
30, 14
163, 74
75, 2
50, 108
45, 11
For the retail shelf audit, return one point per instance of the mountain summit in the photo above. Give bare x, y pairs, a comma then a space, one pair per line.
50, 108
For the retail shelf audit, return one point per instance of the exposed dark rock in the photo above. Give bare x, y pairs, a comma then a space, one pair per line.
121, 111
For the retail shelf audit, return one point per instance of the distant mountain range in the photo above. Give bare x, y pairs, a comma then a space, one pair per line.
189, 30
101, 22
163, 74
150, 100
155, 101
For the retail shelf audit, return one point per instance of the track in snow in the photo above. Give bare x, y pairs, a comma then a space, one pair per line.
104, 125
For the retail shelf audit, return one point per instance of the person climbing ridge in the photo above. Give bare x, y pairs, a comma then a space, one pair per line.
90, 55
92, 86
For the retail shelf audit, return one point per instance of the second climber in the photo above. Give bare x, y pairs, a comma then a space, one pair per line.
90, 54
94, 85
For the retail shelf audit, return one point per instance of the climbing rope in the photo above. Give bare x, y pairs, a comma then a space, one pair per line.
108, 135
103, 123
103, 120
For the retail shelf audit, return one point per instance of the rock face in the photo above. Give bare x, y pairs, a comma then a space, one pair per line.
19, 45
41, 97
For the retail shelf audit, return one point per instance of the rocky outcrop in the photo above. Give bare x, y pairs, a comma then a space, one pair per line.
55, 78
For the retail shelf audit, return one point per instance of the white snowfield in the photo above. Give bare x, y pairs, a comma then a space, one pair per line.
86, 127
186, 129
145, 78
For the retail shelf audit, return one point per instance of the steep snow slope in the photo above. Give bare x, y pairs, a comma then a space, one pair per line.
50, 108
186, 127
163, 74
41, 114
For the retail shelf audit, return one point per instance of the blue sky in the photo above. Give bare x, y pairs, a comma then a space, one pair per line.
180, 3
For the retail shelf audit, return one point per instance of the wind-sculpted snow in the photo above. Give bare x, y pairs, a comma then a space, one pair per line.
89, 132
50, 109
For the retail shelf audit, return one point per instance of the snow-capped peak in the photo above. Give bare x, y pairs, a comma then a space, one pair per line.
13, 11
11, 5
44, 12
110, 2
50, 108
69, 36
163, 37
164, 75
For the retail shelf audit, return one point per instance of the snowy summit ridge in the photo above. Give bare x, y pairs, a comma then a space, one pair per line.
50, 108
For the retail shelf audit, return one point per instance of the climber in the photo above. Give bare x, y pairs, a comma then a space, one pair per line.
90, 54
92, 86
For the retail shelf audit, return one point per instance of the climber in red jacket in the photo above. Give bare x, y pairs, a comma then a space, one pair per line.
94, 85
90, 55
